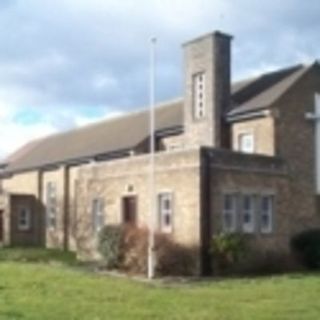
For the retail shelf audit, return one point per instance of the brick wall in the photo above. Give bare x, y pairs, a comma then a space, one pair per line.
262, 130
34, 183
295, 142
176, 172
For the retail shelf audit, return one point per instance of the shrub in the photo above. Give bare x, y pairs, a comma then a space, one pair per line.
109, 243
134, 250
227, 249
126, 248
306, 246
174, 259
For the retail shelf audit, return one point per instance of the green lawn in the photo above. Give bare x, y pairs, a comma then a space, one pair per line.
40, 291
37, 255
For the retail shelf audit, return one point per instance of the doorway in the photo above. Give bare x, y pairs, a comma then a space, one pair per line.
129, 210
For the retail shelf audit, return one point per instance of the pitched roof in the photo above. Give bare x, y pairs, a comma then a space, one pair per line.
112, 135
261, 92
126, 132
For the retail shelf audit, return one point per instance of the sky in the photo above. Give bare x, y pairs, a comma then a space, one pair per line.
67, 63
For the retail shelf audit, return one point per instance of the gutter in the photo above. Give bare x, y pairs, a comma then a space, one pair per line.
70, 163
169, 131
248, 115
87, 159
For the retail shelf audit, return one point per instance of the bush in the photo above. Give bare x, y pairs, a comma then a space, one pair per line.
126, 248
174, 259
134, 250
227, 250
306, 247
109, 243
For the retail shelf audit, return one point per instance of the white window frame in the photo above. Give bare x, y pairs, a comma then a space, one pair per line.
164, 212
199, 95
97, 214
232, 212
51, 204
24, 224
246, 134
269, 213
248, 227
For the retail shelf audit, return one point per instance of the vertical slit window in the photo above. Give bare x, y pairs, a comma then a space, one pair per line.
198, 88
51, 205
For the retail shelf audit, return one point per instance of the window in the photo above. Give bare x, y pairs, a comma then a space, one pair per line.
246, 142
248, 212
24, 219
229, 219
266, 213
51, 202
198, 88
165, 211
97, 214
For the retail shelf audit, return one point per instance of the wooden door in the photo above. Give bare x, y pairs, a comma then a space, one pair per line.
129, 210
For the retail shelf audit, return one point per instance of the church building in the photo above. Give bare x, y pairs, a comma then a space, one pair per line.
230, 157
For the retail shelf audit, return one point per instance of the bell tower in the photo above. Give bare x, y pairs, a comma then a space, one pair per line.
207, 89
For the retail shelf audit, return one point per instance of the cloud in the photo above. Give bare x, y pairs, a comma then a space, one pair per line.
71, 62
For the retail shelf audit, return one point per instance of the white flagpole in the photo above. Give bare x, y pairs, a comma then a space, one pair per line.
151, 240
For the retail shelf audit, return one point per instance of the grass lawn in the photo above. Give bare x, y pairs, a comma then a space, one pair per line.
41, 291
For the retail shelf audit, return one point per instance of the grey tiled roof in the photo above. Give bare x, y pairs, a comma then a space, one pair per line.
107, 136
262, 91
126, 132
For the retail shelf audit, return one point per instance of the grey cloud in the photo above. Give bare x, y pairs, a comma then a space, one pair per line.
58, 49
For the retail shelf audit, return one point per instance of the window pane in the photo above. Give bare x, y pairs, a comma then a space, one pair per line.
228, 202
24, 219
265, 220
229, 212
51, 204
248, 211
167, 204
247, 217
97, 214
167, 220
265, 203
165, 212
199, 95
247, 202
246, 142
266, 214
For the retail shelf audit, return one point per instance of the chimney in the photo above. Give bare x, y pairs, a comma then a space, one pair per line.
207, 89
